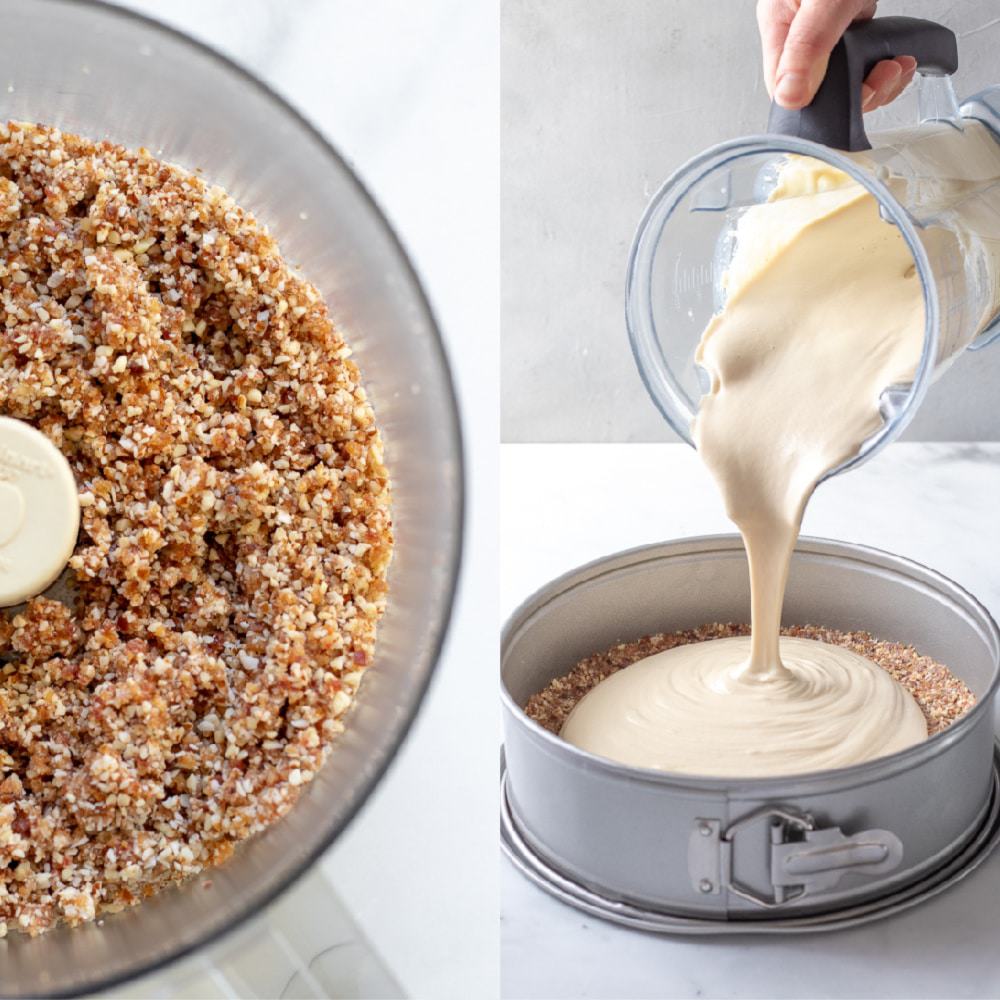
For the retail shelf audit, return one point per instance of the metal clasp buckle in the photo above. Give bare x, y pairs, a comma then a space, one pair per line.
804, 859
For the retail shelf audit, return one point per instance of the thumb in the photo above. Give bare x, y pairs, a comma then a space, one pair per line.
816, 28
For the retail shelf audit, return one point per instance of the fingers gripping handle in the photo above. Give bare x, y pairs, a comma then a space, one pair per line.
834, 118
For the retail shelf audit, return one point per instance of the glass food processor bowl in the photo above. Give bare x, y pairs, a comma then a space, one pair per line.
97, 70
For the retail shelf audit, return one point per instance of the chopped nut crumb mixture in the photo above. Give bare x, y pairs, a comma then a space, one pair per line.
941, 695
231, 565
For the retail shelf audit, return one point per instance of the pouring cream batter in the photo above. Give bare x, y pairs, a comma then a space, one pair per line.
823, 313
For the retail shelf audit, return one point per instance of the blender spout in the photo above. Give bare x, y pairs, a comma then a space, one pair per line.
984, 107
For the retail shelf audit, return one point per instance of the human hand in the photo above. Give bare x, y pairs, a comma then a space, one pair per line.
797, 37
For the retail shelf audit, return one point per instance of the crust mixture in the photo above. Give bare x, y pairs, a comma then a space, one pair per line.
941, 695
231, 565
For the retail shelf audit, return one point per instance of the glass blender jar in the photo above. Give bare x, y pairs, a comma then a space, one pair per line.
938, 182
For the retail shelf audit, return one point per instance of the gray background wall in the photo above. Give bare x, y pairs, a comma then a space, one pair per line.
601, 100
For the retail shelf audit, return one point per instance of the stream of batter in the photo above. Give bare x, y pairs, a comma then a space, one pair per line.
823, 312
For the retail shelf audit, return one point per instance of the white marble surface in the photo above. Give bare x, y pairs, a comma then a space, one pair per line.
408, 92
601, 102
935, 503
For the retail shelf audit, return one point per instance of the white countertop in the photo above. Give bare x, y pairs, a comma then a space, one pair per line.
562, 505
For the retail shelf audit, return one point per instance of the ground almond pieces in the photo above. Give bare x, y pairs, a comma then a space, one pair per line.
941, 695
231, 566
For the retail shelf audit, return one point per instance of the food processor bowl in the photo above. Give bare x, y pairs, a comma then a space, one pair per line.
106, 73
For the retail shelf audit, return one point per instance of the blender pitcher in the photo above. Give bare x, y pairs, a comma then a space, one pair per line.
938, 181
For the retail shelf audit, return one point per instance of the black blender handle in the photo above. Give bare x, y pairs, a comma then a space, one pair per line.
834, 118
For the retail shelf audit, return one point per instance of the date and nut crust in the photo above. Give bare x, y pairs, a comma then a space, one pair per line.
231, 564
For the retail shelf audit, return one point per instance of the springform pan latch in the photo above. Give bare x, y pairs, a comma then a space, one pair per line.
803, 859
